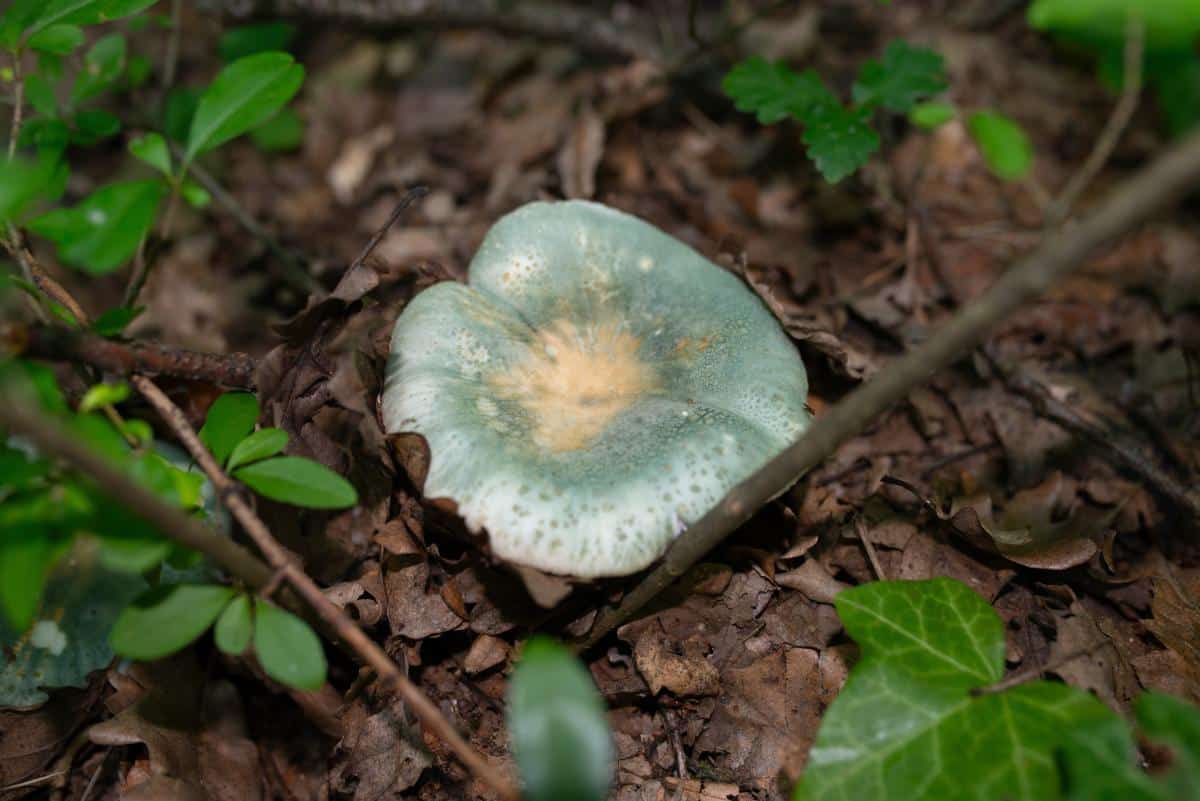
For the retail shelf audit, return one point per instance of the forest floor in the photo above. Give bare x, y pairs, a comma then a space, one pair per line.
748, 652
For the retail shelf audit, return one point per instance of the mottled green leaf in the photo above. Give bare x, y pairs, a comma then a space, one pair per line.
559, 728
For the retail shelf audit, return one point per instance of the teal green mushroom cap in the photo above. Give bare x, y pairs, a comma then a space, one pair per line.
596, 387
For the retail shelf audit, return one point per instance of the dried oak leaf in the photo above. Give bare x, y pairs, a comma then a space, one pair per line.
1176, 624
379, 758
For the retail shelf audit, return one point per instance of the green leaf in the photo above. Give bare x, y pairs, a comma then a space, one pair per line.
907, 724
103, 232
114, 321
137, 70
39, 91
92, 125
559, 726
248, 40
103, 395
234, 627
283, 132
1176, 85
840, 141
166, 619
772, 91
298, 481
262, 444
17, 17
22, 182
1171, 25
231, 417
244, 95
1176, 724
1003, 144
82, 12
69, 636
181, 109
931, 115
195, 194
906, 74
103, 65
152, 149
287, 647
26, 553
1099, 765
59, 40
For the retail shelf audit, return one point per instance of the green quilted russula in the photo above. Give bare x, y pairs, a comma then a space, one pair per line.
597, 387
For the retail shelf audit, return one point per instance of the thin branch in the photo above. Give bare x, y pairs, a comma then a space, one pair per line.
53, 441
55, 343
1037, 671
1154, 188
410, 197
14, 131
336, 619
578, 25
864, 536
1135, 39
1117, 447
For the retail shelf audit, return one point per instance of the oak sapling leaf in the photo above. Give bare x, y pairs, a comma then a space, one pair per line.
905, 76
773, 91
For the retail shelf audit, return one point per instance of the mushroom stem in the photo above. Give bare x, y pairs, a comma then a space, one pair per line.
1153, 189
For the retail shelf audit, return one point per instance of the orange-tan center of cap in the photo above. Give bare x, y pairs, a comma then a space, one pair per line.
575, 381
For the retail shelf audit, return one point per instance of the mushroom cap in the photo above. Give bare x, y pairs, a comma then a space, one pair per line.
595, 388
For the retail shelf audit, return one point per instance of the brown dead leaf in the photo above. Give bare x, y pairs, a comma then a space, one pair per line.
30, 741
1176, 624
486, 652
379, 758
681, 669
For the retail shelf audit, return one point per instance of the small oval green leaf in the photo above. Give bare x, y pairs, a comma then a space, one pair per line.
244, 95
231, 417
931, 115
166, 619
234, 627
152, 149
298, 481
560, 734
1003, 143
262, 444
287, 647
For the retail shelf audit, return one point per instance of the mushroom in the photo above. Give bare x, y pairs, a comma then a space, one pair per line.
596, 387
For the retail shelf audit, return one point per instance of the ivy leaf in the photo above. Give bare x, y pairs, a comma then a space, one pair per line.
1003, 144
102, 232
772, 91
298, 481
560, 735
907, 724
840, 141
234, 627
166, 619
244, 95
262, 444
905, 75
231, 417
287, 647
152, 149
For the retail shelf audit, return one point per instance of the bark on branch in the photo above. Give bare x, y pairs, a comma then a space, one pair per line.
586, 29
1154, 188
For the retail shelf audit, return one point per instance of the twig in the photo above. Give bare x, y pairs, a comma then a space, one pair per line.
337, 620
55, 343
1037, 671
1114, 445
590, 31
54, 290
410, 197
171, 56
14, 130
1135, 39
1153, 188
52, 441
860, 528
295, 269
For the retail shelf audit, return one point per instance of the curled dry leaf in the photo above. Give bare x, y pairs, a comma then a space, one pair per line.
682, 669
